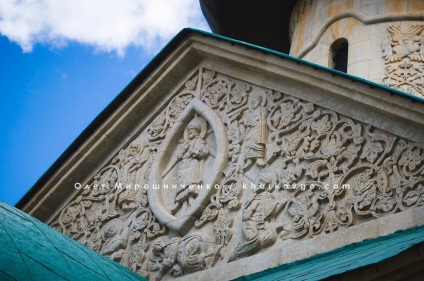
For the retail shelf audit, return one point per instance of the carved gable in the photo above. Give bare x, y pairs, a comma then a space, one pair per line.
245, 154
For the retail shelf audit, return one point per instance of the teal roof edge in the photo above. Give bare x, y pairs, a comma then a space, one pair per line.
343, 259
31, 250
143, 74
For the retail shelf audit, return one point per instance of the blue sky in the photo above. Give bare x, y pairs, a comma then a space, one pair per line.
55, 81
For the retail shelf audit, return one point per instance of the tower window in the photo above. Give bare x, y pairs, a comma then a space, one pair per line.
339, 54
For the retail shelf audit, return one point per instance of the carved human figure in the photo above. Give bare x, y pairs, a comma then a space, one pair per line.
115, 243
95, 240
190, 159
286, 115
195, 252
256, 133
164, 256
181, 255
257, 213
130, 166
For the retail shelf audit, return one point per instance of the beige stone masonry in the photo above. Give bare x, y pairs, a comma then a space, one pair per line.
385, 38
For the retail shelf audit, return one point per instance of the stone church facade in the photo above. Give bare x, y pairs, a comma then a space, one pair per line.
223, 159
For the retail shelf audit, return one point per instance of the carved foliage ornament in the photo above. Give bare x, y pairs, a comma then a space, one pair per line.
403, 52
308, 170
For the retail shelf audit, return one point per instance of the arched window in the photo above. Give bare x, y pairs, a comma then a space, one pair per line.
339, 54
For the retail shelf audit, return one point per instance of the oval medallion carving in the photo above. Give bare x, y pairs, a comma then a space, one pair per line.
189, 164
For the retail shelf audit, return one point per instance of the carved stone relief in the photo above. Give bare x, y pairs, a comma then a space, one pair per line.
403, 52
197, 161
231, 169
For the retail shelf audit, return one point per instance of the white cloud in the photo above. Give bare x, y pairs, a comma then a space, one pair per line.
107, 25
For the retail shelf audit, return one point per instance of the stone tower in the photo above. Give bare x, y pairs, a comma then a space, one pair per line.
381, 41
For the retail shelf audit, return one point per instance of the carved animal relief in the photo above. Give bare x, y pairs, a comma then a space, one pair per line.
229, 169
403, 53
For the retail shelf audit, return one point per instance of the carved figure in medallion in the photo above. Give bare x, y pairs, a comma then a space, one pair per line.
257, 213
198, 159
190, 160
256, 132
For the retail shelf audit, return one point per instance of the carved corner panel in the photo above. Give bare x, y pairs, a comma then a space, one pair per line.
231, 169
403, 52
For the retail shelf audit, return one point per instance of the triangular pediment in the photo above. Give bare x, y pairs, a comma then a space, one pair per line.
222, 153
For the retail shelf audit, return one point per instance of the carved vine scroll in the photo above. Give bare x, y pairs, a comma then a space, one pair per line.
292, 170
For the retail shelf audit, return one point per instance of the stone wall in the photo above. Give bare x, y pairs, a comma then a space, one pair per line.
385, 38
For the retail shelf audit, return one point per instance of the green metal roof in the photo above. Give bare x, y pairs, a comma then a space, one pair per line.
31, 250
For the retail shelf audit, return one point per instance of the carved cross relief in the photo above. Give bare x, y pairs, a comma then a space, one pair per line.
277, 168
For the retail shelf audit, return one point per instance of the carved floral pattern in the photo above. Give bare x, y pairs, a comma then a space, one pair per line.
403, 53
228, 194
327, 172
230, 100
